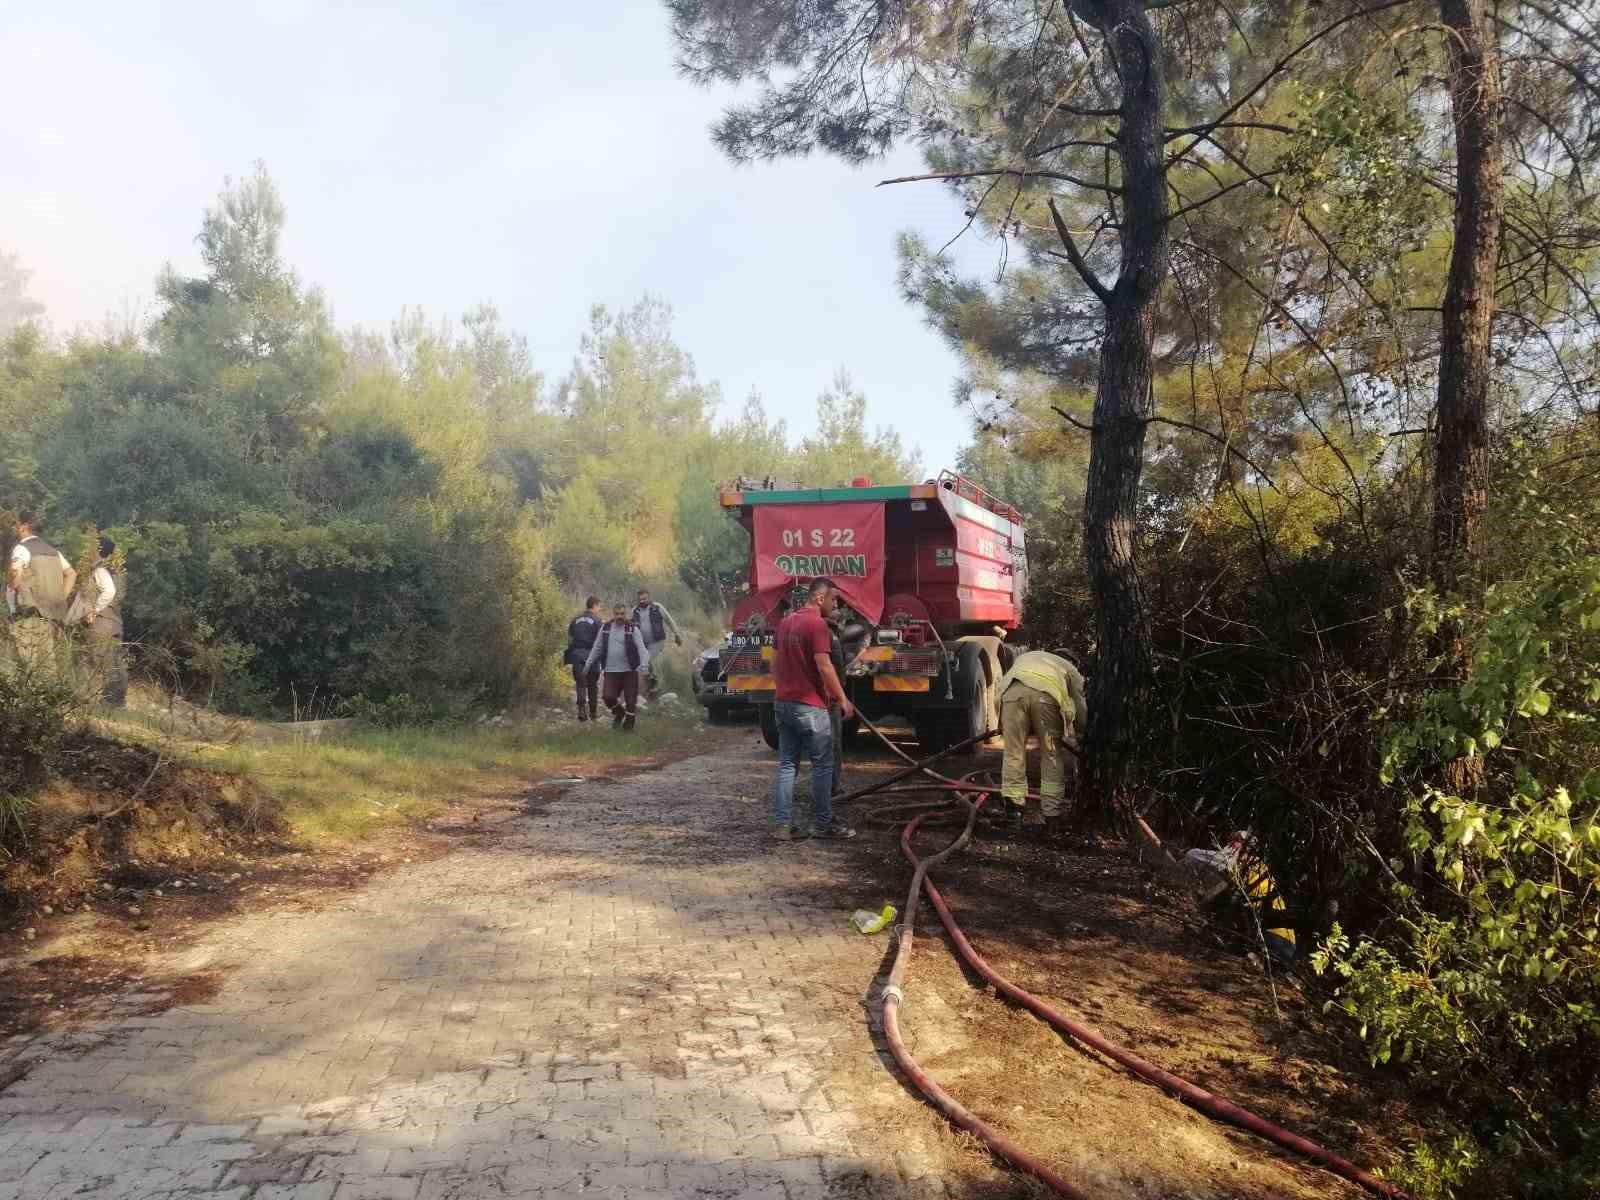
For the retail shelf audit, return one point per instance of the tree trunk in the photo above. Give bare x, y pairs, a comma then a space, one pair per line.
1460, 486
1121, 407
1461, 453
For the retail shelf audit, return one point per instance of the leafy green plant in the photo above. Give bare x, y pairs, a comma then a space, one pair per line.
36, 709
1487, 985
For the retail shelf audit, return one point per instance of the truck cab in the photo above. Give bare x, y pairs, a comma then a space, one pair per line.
931, 576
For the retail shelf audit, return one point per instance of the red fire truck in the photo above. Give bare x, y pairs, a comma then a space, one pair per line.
931, 577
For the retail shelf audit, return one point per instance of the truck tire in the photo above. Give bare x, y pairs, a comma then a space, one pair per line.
977, 677
768, 716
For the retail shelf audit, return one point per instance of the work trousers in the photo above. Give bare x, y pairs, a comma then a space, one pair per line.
1026, 711
38, 640
651, 680
587, 685
109, 660
621, 690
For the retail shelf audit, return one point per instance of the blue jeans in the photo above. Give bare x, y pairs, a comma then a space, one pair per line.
802, 728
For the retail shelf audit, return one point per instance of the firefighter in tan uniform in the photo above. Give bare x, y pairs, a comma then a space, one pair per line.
1040, 696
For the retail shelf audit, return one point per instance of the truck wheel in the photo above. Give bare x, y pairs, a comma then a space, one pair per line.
974, 684
768, 715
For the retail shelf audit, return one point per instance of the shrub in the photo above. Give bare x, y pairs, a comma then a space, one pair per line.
35, 712
1485, 985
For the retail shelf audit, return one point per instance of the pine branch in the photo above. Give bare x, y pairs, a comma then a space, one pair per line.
1079, 263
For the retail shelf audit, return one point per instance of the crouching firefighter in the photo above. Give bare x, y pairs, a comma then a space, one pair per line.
1041, 696
619, 654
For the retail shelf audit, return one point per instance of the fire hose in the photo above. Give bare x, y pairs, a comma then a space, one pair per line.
970, 797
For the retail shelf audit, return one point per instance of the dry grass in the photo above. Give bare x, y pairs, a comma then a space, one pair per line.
347, 783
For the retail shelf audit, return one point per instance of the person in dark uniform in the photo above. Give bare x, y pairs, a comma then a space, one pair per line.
581, 634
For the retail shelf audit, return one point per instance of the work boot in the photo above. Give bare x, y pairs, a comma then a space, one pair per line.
594, 713
616, 717
583, 716
1006, 823
627, 723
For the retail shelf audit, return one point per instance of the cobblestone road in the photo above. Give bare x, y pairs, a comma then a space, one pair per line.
624, 993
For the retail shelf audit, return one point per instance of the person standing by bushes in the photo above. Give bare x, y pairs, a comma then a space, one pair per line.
581, 635
103, 615
620, 653
39, 581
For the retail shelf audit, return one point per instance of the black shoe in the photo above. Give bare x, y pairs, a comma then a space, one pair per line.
594, 714
627, 723
582, 716
616, 718
838, 831
1007, 824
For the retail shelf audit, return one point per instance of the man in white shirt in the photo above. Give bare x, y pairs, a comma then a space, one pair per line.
39, 582
102, 613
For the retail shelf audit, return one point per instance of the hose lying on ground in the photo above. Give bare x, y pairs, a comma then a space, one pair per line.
893, 996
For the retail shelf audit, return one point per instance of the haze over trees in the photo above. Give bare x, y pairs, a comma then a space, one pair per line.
1292, 313
396, 518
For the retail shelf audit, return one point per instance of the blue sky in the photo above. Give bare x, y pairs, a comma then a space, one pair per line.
533, 155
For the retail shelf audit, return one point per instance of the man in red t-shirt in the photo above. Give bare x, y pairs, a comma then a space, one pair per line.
803, 670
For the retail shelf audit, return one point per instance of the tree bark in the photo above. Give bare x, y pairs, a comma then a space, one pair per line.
1461, 455
1122, 406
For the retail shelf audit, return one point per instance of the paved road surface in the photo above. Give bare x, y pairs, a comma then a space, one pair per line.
623, 993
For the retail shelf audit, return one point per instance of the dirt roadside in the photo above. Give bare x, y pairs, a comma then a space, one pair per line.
1088, 930
91, 929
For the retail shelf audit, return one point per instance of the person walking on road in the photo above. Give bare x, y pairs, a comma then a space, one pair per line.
1041, 696
802, 669
654, 621
102, 613
581, 635
619, 653
39, 582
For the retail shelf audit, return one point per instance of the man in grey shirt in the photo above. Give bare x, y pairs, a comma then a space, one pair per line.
620, 654
653, 622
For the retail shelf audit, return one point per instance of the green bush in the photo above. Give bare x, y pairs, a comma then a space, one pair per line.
35, 714
1485, 985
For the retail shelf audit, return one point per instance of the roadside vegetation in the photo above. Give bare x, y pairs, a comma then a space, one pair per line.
167, 781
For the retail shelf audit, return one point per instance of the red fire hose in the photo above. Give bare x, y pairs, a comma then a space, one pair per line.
893, 996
